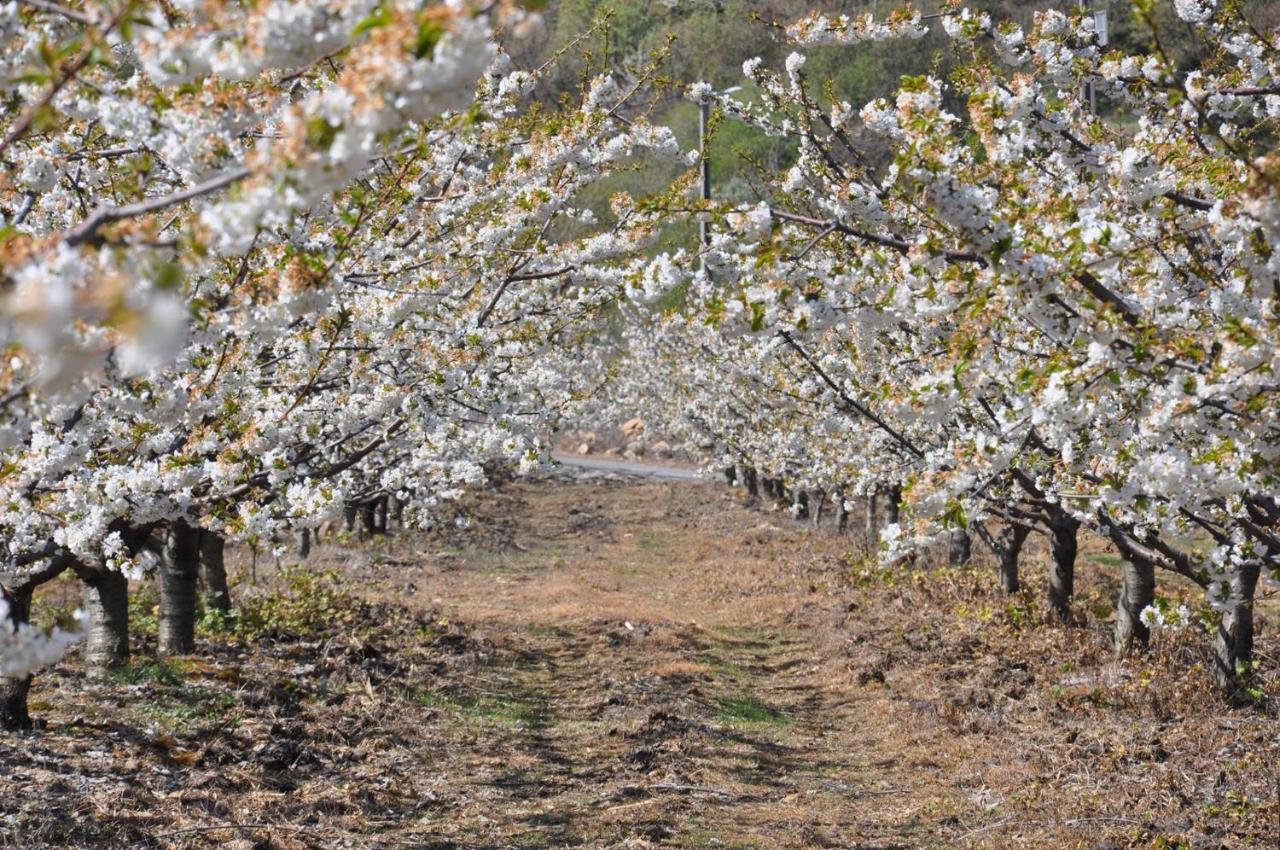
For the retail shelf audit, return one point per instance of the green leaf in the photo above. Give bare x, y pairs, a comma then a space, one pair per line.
379, 17
168, 276
955, 516
430, 33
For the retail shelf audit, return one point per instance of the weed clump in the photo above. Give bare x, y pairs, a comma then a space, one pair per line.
305, 605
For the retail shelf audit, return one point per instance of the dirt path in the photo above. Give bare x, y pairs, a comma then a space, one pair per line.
678, 688
604, 663
708, 674
630, 469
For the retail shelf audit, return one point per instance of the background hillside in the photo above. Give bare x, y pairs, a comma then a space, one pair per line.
683, 41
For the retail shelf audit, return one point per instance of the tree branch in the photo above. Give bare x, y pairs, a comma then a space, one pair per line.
861, 409
87, 230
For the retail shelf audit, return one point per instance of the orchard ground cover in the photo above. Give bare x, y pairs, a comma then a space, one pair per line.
604, 663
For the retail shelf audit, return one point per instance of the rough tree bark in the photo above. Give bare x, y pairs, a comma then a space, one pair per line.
382, 512
1007, 547
842, 513
1234, 645
780, 493
872, 520
800, 504
368, 519
14, 689
753, 482
397, 511
1063, 529
179, 570
892, 503
959, 548
304, 543
18, 591
1137, 591
349, 516
106, 599
817, 506
213, 567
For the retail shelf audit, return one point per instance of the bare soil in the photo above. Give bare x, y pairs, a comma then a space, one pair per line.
608, 664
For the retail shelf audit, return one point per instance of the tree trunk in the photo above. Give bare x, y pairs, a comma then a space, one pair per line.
368, 519
106, 599
873, 520
14, 689
1233, 652
304, 543
959, 548
397, 511
179, 569
731, 475
1009, 544
892, 503
213, 567
817, 505
1062, 572
1137, 592
349, 517
800, 504
382, 511
842, 513
753, 482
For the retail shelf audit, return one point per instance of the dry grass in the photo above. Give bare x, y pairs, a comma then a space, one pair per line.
606, 665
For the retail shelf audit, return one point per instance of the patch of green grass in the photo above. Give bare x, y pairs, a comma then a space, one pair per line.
723, 666
144, 608
653, 540
510, 712
211, 620
503, 709
191, 707
748, 637
1021, 612
551, 554
749, 709
171, 700
434, 699
149, 672
309, 604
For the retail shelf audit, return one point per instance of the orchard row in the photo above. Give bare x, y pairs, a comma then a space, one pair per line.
266, 265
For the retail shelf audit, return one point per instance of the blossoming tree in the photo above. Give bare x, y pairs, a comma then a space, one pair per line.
1035, 317
380, 291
